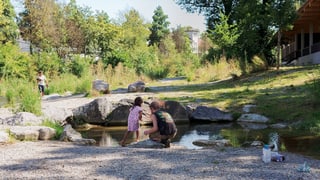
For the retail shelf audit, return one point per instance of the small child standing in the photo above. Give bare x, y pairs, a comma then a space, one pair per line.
133, 120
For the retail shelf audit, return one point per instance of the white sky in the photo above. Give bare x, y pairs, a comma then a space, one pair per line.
176, 15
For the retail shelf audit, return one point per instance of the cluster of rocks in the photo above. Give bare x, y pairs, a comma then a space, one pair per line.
112, 110
103, 87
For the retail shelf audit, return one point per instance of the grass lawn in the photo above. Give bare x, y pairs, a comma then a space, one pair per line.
288, 95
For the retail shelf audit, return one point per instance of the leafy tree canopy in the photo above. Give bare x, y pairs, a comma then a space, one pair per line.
159, 27
8, 26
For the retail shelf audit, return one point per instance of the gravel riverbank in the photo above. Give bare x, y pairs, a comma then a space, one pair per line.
61, 160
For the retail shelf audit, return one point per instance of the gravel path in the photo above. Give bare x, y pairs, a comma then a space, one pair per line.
61, 160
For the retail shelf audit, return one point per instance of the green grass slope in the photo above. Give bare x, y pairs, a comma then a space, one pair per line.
289, 95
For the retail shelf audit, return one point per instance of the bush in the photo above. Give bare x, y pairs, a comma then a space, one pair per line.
30, 99
80, 66
15, 64
23, 95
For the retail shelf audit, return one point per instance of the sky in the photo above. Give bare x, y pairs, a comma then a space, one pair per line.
114, 8
176, 15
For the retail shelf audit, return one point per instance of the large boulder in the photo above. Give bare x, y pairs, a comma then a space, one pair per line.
208, 114
138, 86
46, 133
71, 135
120, 113
59, 110
103, 111
176, 110
95, 112
100, 86
22, 118
32, 133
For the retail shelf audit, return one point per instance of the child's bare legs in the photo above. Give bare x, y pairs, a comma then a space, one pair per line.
137, 135
123, 141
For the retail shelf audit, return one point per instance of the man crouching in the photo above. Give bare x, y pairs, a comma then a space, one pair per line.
164, 128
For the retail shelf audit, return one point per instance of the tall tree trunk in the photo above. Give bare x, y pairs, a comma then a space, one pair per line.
279, 50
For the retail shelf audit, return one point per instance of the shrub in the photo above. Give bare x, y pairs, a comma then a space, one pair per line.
30, 99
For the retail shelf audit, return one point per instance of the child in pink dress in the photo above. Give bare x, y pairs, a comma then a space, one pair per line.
133, 120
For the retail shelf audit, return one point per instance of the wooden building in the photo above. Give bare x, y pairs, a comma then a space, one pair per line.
303, 41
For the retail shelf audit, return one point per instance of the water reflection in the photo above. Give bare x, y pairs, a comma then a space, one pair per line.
237, 134
187, 139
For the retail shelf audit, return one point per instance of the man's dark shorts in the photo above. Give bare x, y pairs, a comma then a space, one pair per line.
41, 88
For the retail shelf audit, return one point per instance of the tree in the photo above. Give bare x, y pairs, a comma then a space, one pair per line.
134, 41
159, 27
205, 44
255, 21
8, 26
13, 63
181, 39
135, 31
210, 9
41, 23
283, 12
254, 24
225, 36
74, 33
107, 37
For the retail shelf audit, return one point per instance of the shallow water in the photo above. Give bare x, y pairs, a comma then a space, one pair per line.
291, 141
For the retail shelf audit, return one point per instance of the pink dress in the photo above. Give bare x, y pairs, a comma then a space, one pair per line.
133, 118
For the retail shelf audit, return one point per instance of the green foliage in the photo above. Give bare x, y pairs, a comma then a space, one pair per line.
8, 26
59, 129
63, 83
84, 86
74, 30
226, 35
314, 87
281, 96
14, 63
11, 96
118, 56
22, 95
181, 40
134, 51
249, 28
30, 100
79, 66
49, 63
157, 72
121, 76
159, 28
42, 25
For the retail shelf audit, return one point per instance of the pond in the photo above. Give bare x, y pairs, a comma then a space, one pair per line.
291, 141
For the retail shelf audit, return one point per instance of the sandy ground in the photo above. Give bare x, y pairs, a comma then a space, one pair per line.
61, 160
